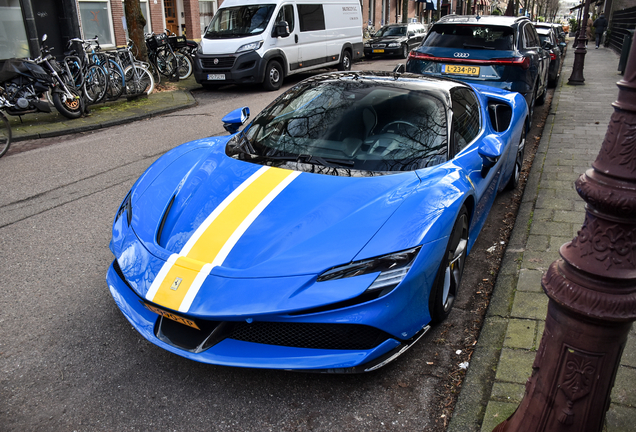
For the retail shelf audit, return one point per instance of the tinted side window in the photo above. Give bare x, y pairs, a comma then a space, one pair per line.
465, 125
530, 36
286, 13
311, 17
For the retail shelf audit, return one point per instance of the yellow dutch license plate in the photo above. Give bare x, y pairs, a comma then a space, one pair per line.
378, 50
171, 316
460, 69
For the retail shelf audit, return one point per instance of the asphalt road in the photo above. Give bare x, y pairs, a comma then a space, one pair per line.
69, 360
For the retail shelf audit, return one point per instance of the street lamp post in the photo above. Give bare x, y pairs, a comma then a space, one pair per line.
579, 54
591, 290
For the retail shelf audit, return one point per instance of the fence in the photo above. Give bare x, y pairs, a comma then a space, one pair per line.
622, 21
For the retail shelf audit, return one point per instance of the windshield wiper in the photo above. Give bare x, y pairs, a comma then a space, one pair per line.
478, 46
315, 160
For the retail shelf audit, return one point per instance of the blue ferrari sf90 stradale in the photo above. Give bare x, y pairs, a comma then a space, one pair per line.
328, 234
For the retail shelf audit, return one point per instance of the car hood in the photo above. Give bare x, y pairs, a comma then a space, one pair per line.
311, 223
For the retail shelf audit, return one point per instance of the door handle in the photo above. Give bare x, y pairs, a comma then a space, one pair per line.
296, 38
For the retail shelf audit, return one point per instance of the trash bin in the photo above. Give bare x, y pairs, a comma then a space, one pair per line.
627, 45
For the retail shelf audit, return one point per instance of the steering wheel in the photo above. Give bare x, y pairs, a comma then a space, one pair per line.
397, 122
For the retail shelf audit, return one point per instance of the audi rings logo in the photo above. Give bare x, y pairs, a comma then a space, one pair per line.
216, 61
461, 55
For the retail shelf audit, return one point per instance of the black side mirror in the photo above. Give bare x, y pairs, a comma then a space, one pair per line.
399, 68
281, 29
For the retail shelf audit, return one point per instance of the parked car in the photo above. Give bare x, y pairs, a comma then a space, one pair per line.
247, 42
328, 234
559, 33
551, 44
503, 52
395, 39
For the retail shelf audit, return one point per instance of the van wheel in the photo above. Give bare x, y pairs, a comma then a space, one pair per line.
273, 76
345, 63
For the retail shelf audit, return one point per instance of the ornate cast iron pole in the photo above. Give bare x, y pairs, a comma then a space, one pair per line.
576, 78
592, 290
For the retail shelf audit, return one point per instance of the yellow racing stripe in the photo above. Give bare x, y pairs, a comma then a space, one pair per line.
179, 281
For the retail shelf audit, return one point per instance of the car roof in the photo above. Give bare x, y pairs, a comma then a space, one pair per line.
482, 20
544, 30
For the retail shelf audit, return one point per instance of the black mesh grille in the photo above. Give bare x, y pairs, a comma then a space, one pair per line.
306, 335
222, 62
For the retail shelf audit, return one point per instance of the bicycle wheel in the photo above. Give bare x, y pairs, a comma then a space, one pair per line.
116, 81
166, 63
5, 134
185, 65
74, 70
138, 81
95, 84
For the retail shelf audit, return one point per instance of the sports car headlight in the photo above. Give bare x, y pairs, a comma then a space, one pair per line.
367, 44
125, 206
252, 46
392, 268
393, 45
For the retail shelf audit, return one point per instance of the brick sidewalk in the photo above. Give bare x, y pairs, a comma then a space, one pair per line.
550, 215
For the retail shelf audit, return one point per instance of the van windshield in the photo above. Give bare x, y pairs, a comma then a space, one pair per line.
239, 21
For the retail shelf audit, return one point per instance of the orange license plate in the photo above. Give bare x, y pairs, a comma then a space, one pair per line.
460, 70
379, 51
170, 315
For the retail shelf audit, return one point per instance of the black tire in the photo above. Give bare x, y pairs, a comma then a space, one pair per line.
115, 84
541, 98
69, 107
273, 76
142, 83
95, 84
5, 134
405, 51
345, 61
449, 275
533, 100
185, 65
552, 83
516, 174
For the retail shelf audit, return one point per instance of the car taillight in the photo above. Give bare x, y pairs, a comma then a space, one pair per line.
552, 56
524, 62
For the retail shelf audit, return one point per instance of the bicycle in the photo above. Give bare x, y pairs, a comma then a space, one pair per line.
138, 77
182, 51
90, 77
161, 56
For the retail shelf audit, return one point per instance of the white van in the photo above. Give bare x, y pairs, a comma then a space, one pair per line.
251, 41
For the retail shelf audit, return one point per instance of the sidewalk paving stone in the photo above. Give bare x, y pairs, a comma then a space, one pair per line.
550, 215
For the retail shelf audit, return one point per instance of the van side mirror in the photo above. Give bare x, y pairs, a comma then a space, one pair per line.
281, 29
235, 119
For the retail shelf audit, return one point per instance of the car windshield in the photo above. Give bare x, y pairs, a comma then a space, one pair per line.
239, 21
391, 31
462, 36
353, 124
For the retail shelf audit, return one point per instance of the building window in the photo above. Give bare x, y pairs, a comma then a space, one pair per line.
145, 11
207, 8
13, 38
96, 19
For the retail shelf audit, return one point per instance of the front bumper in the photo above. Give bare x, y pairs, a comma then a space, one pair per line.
227, 351
228, 68
370, 51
